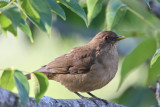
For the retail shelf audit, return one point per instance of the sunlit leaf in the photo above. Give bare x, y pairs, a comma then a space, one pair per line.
6, 25
14, 15
41, 85
4, 21
147, 1
115, 11
94, 7
56, 9
3, 3
138, 56
29, 10
37, 12
155, 57
11, 29
75, 7
154, 70
24, 17
22, 86
43, 10
6, 80
142, 98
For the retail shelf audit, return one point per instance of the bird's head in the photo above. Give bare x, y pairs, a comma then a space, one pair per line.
106, 38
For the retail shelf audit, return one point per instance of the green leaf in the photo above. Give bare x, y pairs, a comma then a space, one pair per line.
24, 17
7, 81
11, 29
75, 7
22, 86
3, 3
29, 10
154, 70
115, 11
6, 25
4, 21
56, 9
158, 1
155, 57
43, 10
138, 56
14, 15
41, 85
94, 7
147, 1
38, 12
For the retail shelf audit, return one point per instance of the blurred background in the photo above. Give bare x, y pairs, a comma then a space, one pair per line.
21, 54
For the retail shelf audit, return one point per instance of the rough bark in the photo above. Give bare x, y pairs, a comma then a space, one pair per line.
8, 99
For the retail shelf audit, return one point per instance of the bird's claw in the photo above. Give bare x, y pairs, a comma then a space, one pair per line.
94, 99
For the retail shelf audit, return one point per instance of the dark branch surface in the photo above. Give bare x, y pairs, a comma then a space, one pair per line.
8, 99
155, 8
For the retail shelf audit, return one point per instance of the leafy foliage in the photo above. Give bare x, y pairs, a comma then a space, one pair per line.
38, 12
6, 80
3, 3
115, 11
94, 7
11, 77
147, 1
41, 85
22, 85
6, 25
136, 22
154, 70
75, 7
13, 14
56, 9
135, 58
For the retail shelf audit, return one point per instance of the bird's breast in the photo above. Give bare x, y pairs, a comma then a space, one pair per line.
102, 72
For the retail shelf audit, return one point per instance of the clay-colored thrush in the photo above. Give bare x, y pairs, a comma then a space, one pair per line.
88, 67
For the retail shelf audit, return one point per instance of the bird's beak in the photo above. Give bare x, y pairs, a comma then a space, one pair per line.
120, 37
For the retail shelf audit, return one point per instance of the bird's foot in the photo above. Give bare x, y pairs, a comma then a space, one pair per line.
96, 98
93, 98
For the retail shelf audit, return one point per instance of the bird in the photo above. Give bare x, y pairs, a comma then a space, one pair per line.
86, 68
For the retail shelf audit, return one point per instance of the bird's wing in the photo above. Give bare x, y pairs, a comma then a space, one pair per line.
79, 60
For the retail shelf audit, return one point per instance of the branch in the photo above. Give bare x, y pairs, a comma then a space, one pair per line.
154, 7
8, 99
156, 91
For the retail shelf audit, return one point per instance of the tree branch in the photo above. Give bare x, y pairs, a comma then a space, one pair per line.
8, 99
154, 7
156, 91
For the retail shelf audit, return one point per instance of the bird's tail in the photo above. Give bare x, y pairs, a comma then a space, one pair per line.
42, 70
28, 76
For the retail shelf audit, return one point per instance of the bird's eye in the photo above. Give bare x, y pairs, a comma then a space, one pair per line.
105, 38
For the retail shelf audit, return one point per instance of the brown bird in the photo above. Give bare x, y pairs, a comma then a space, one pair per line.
88, 67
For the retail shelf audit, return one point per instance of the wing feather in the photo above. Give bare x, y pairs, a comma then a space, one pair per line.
79, 60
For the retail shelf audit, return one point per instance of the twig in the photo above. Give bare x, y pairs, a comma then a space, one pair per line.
154, 8
142, 18
10, 3
156, 91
